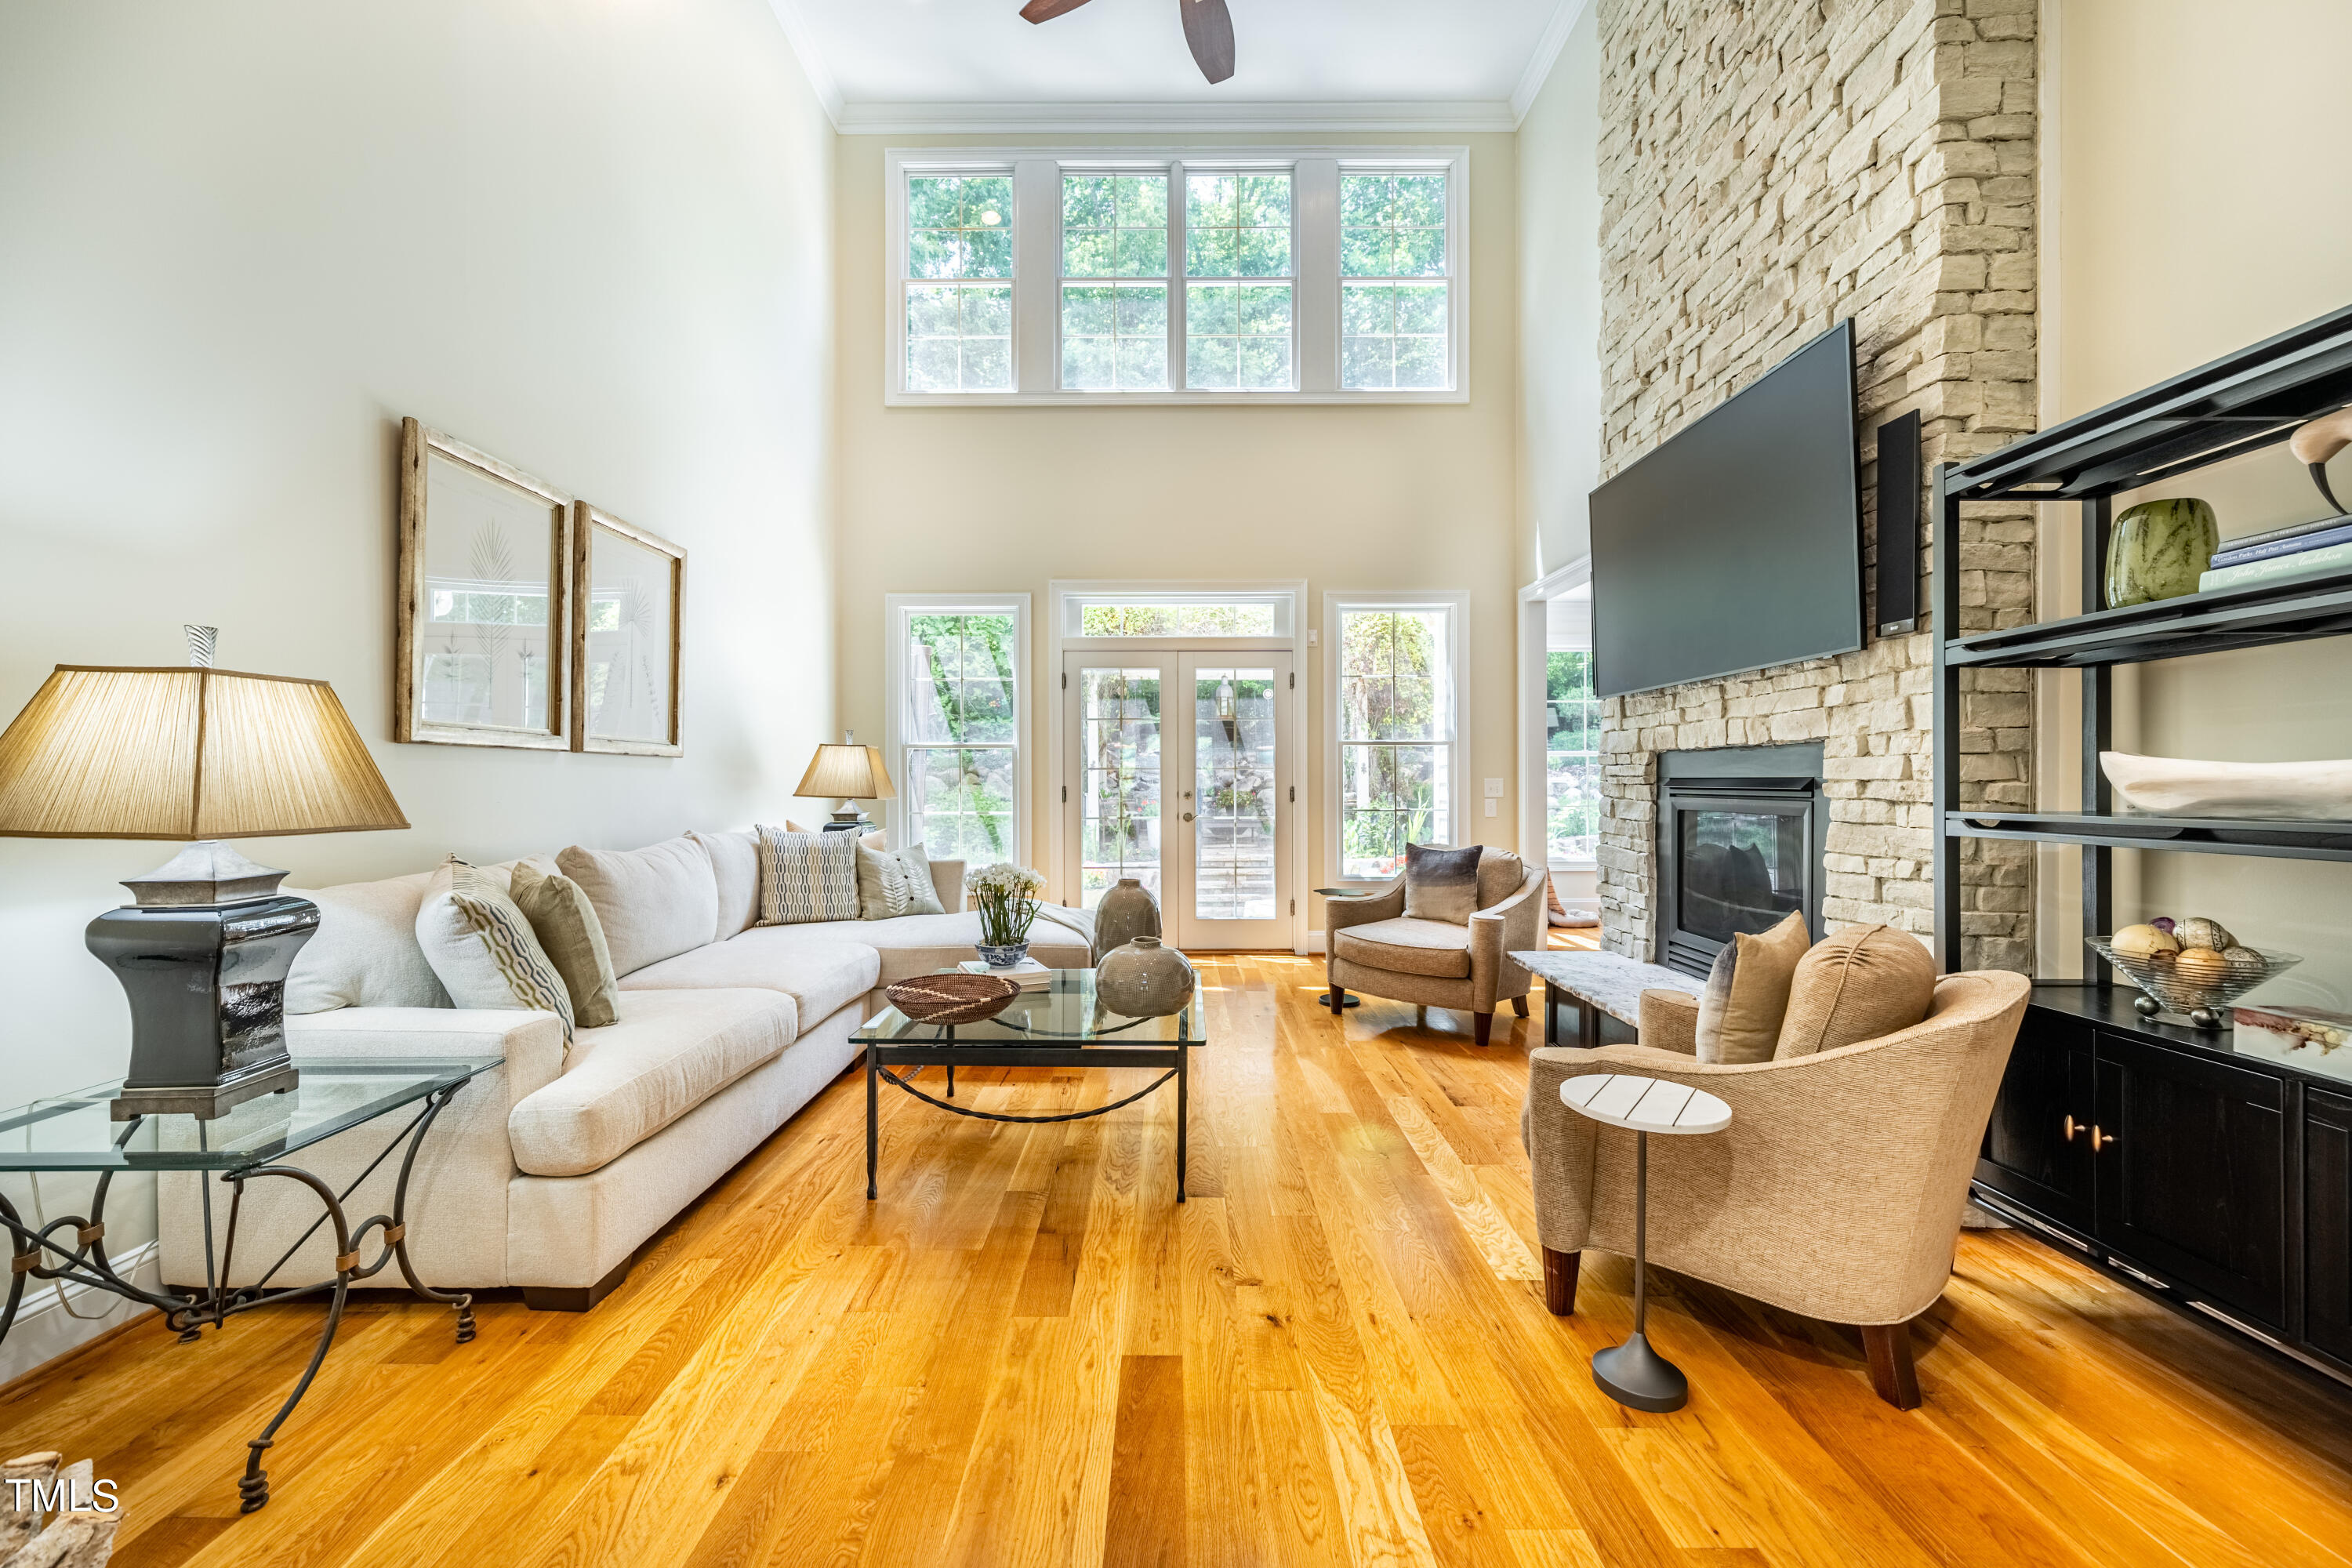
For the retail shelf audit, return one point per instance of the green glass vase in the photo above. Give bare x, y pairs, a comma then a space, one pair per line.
2158, 549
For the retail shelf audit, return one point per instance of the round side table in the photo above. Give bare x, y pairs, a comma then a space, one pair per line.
1633, 1373
1328, 893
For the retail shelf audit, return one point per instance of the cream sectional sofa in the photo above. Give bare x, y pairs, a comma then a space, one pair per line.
550, 1170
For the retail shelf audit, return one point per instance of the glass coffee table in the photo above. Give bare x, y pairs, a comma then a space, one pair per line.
1058, 1025
74, 1132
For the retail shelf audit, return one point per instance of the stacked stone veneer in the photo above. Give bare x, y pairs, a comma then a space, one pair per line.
1769, 167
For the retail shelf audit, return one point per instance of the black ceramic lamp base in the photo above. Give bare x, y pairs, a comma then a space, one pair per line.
1638, 1377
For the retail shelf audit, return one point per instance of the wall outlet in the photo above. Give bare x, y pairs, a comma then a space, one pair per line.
1493, 791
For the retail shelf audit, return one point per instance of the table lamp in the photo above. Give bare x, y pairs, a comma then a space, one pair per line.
201, 754
849, 773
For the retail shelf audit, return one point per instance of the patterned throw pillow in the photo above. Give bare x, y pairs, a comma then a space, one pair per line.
894, 882
806, 876
481, 946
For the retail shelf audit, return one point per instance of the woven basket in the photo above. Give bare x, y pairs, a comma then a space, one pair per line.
959, 998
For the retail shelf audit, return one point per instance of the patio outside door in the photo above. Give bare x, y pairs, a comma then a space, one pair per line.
1182, 779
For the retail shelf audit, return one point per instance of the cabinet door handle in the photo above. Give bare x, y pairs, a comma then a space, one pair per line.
2073, 1127
2100, 1141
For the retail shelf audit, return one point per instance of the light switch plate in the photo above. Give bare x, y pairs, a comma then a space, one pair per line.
1490, 808
1493, 791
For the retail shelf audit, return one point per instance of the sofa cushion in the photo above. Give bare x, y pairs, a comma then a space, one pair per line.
894, 882
1441, 883
919, 945
653, 903
1747, 993
1439, 949
806, 878
483, 948
566, 923
1856, 984
364, 952
670, 1051
735, 869
821, 967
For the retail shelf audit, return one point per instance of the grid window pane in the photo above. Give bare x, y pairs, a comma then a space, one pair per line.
1238, 335
1572, 757
961, 801
962, 722
1192, 618
1233, 769
1119, 828
1393, 332
1396, 728
1115, 336
958, 333
1115, 225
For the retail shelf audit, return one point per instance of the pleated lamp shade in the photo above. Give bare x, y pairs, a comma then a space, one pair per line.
186, 753
846, 772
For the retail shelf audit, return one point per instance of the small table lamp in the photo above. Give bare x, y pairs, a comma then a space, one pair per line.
196, 754
849, 773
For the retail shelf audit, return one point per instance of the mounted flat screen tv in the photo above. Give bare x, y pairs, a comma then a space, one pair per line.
1737, 545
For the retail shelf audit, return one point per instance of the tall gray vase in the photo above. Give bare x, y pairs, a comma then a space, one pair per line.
1129, 911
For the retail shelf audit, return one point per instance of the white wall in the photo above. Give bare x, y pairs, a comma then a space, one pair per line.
2193, 215
238, 240
1559, 305
1376, 497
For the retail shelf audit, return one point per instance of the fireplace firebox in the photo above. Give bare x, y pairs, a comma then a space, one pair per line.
1741, 835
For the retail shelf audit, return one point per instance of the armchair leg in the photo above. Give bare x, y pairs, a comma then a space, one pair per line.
1559, 1281
1339, 1000
1481, 1026
1888, 1346
1519, 1005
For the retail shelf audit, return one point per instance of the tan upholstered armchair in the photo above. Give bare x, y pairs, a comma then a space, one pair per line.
1835, 1193
1371, 945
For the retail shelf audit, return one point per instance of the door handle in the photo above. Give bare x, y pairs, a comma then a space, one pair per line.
2100, 1141
2073, 1127
1187, 817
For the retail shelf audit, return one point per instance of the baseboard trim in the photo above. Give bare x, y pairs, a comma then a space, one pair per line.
45, 1332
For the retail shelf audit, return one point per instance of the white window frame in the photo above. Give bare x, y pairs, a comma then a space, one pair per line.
1335, 602
1037, 265
895, 610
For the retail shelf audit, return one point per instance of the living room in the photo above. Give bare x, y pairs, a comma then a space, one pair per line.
909, 812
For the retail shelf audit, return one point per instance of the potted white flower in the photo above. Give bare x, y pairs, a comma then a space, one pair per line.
1006, 896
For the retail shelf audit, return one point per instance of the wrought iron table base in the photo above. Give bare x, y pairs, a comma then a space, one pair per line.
85, 1264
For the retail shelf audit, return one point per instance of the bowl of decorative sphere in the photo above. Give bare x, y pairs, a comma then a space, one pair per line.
2193, 966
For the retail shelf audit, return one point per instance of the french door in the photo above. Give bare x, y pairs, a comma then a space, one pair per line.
1182, 777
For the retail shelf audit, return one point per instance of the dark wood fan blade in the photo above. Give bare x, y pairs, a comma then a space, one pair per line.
1047, 10
1209, 29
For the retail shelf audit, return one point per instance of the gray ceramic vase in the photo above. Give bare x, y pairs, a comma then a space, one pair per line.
1129, 911
1144, 979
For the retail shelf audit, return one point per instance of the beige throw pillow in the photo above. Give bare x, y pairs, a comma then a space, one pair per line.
1857, 985
894, 882
1747, 991
653, 903
1441, 883
482, 948
565, 922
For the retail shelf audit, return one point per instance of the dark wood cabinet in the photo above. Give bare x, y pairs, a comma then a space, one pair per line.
2328, 1222
2214, 1178
2191, 1172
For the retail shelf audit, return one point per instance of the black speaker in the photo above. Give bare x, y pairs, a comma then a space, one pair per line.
1898, 525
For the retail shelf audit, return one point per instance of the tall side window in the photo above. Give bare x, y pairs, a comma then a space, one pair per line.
1397, 714
1571, 758
958, 283
959, 731
1394, 303
1238, 289
1115, 282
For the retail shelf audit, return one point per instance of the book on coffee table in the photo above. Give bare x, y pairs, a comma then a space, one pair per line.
1029, 974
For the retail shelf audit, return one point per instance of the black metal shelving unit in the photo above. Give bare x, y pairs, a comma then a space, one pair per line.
2219, 1180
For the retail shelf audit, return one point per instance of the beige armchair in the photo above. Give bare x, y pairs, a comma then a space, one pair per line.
1835, 1193
1372, 946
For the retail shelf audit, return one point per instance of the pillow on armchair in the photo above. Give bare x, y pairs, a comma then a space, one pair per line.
1856, 984
1440, 883
1746, 996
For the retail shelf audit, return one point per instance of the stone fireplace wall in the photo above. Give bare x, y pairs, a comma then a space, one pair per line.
1769, 167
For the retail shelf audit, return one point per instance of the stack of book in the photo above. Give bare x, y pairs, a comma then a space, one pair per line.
1029, 974
2321, 549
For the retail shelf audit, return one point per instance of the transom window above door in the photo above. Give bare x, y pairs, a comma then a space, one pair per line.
1238, 276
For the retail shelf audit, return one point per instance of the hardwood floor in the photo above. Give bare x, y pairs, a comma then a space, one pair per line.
1336, 1352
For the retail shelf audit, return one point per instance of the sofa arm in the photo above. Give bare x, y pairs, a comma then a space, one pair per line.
1340, 913
1670, 1021
1495, 934
947, 880
531, 1045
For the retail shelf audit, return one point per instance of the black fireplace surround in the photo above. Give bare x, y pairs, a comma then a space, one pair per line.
1741, 833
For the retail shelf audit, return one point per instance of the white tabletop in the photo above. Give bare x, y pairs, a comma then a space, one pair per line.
1645, 1104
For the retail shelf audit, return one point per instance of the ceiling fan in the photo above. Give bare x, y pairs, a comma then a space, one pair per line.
1208, 29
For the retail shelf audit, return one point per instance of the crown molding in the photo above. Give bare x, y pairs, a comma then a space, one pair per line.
1111, 119
1564, 19
813, 66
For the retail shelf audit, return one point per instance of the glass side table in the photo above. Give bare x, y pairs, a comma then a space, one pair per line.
73, 1133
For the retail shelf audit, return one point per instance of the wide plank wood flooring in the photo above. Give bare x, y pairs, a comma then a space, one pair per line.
1335, 1353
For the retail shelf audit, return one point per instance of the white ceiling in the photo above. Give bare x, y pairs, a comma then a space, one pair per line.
911, 65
